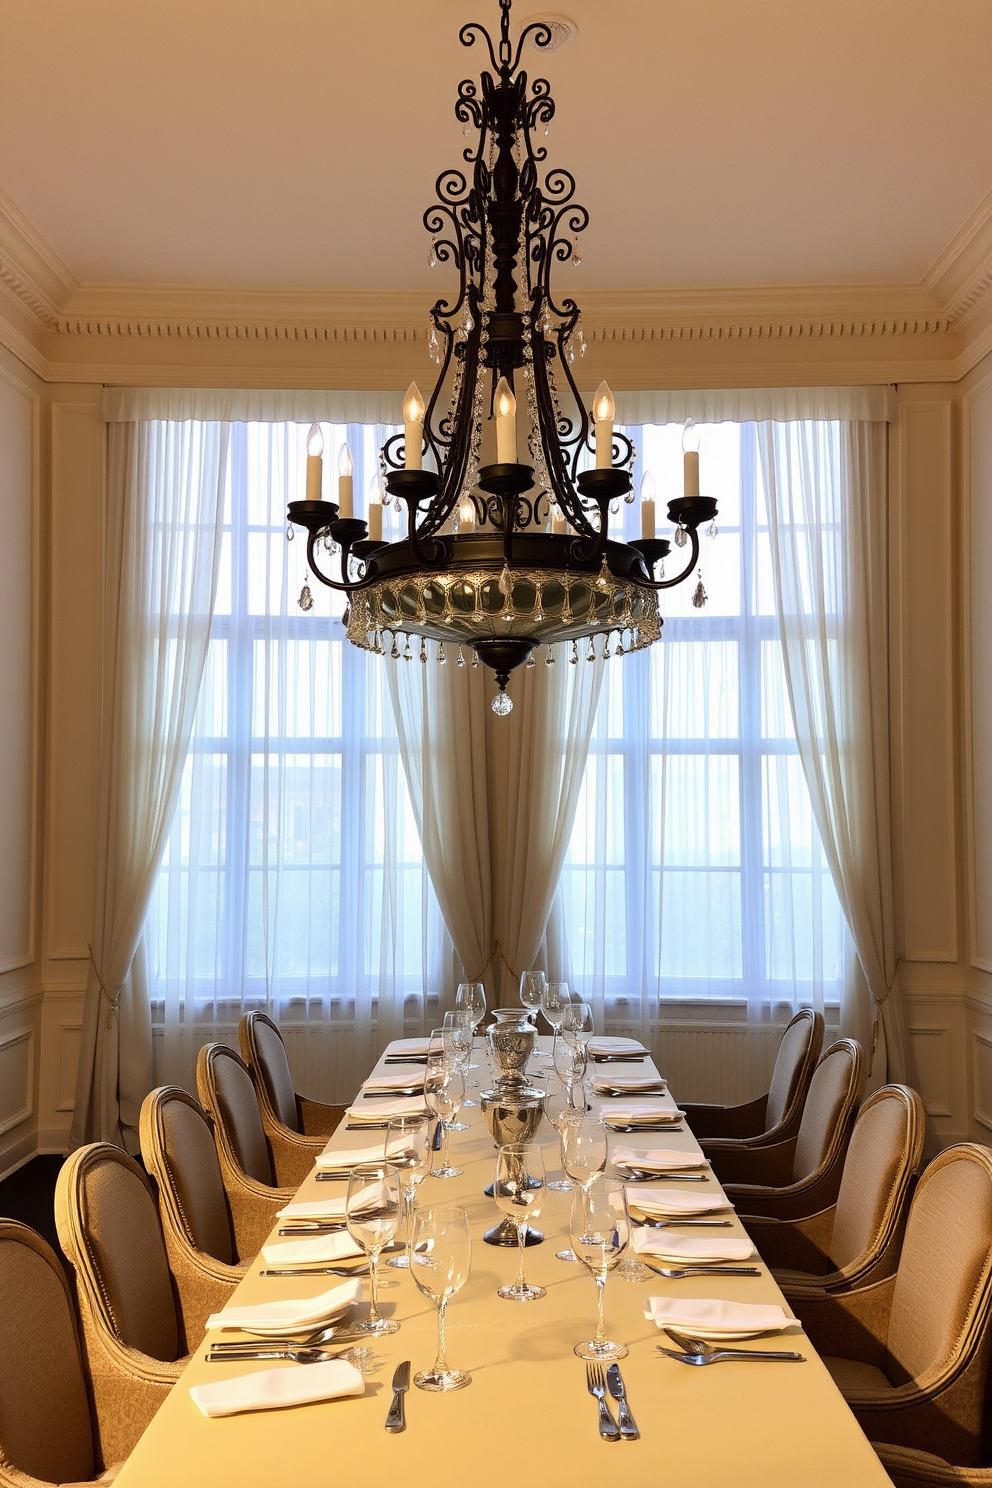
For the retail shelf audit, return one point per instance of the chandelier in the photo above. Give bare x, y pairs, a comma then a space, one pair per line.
504, 556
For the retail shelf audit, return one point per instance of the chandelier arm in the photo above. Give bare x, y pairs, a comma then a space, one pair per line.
541, 32
468, 34
346, 586
653, 583
588, 552
564, 489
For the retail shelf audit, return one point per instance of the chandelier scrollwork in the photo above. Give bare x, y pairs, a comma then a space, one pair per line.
478, 565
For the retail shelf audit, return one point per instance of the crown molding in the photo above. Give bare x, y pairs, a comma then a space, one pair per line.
961, 278
30, 269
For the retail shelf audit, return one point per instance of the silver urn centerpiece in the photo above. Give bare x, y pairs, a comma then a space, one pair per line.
513, 1108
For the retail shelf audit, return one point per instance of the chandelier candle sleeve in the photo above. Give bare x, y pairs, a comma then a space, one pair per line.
690, 458
506, 424
604, 411
375, 512
315, 463
346, 484
414, 409
647, 506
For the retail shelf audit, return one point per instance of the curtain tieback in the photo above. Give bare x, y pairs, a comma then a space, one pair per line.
879, 1001
111, 1001
496, 954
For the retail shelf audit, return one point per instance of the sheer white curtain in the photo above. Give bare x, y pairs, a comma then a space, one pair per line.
165, 491
825, 485
293, 877
696, 886
495, 799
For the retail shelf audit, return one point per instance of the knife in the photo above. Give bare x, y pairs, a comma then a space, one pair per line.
396, 1420
628, 1427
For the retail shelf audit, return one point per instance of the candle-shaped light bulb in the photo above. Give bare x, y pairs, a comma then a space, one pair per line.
346, 487
604, 411
375, 510
466, 516
506, 423
315, 468
558, 523
647, 505
414, 410
690, 458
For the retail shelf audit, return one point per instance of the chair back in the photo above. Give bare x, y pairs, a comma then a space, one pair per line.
264, 1052
227, 1094
45, 1426
794, 1066
884, 1154
940, 1306
109, 1228
177, 1148
834, 1093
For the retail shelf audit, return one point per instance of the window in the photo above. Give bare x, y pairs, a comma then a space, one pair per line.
695, 869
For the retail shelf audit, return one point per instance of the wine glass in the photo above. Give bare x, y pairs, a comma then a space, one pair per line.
570, 1061
456, 1040
532, 985
518, 1189
577, 1022
554, 999
441, 1255
408, 1148
444, 1091
372, 1212
557, 1107
600, 1229
471, 998
583, 1153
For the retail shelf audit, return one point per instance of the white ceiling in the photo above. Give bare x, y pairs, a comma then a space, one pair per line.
293, 144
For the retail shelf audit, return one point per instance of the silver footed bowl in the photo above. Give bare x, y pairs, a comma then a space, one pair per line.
512, 1115
511, 1042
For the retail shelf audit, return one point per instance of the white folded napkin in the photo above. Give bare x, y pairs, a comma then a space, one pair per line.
291, 1314
384, 1108
690, 1247
352, 1157
271, 1389
711, 1316
642, 1113
675, 1201
615, 1046
315, 1250
627, 1081
415, 1046
658, 1159
402, 1079
315, 1209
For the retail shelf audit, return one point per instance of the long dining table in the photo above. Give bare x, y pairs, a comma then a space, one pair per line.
527, 1414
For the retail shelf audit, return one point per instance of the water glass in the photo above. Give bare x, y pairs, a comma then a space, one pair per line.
558, 1104
372, 1212
471, 998
600, 1228
519, 1188
583, 1147
408, 1149
577, 1022
444, 1091
441, 1256
456, 1039
532, 985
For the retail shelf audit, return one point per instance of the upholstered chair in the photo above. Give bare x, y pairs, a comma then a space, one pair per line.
247, 1162
775, 1116
207, 1256
910, 1353
798, 1177
911, 1469
858, 1239
297, 1128
46, 1431
134, 1333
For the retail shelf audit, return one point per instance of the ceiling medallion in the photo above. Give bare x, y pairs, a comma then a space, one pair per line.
507, 554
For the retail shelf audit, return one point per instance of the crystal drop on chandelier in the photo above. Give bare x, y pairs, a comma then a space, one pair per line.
502, 703
681, 536
699, 596
306, 598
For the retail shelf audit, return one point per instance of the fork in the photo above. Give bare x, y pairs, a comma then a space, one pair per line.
297, 1355
717, 1356
596, 1385
679, 1273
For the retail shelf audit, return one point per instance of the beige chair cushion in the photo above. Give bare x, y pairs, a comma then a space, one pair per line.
876, 1161
829, 1092
852, 1377
789, 1061
190, 1158
124, 1239
944, 1257
45, 1425
273, 1067
237, 1107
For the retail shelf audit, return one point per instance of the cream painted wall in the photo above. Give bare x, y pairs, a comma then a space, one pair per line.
941, 639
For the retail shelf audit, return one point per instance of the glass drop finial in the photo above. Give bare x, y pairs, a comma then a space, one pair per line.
306, 598
502, 703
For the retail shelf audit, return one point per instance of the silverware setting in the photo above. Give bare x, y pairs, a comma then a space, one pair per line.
316, 1338
638, 1127
393, 1090
619, 1058
616, 1092
698, 1224
615, 1384
312, 1227
645, 1175
596, 1385
679, 1273
300, 1355
314, 1271
405, 1059
700, 1351
396, 1419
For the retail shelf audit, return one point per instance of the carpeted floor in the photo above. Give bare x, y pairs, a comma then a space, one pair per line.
29, 1195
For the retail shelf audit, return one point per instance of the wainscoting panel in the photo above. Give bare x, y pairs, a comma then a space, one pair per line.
16, 1078
981, 1059
932, 1052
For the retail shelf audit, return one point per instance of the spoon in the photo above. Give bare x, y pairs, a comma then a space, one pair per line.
314, 1271
646, 1175
668, 1127
666, 1224
329, 1334
298, 1355
680, 1273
